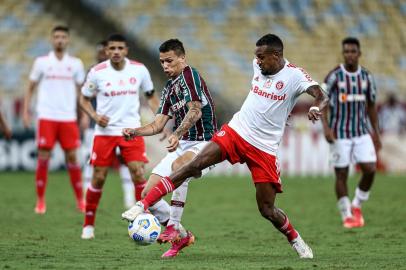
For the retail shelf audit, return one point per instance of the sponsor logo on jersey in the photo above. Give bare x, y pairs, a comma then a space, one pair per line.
279, 85
343, 97
265, 94
178, 105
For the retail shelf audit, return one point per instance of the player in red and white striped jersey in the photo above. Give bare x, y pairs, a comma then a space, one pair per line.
58, 77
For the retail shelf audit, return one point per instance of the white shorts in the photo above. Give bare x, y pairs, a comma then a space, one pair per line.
358, 149
164, 168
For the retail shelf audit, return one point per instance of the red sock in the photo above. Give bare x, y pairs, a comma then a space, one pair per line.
75, 175
139, 187
288, 230
41, 177
92, 201
164, 187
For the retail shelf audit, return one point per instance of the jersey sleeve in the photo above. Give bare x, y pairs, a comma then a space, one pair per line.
303, 81
89, 88
164, 104
371, 90
36, 71
146, 83
79, 73
191, 85
329, 83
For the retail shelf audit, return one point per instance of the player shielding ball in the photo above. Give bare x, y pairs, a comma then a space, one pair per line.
253, 136
352, 93
58, 77
116, 84
187, 98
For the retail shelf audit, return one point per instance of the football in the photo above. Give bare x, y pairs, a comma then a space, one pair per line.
145, 229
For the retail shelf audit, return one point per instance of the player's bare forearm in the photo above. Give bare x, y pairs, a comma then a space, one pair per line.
373, 116
28, 96
320, 97
152, 128
194, 114
153, 102
87, 107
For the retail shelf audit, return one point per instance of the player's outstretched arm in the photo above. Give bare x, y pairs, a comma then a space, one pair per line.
27, 102
320, 102
194, 114
153, 128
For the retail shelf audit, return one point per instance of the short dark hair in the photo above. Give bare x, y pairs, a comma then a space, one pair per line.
116, 37
62, 28
172, 45
272, 41
351, 40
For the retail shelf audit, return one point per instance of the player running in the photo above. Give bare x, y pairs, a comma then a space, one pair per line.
352, 93
59, 77
187, 98
253, 136
116, 84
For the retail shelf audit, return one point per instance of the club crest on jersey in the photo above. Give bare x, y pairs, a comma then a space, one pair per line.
221, 133
279, 85
133, 80
268, 83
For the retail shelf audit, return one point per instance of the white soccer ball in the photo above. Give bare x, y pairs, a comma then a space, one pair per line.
145, 229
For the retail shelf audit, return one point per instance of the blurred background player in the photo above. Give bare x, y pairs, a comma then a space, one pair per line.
88, 126
116, 83
253, 136
187, 98
352, 93
392, 116
4, 127
58, 76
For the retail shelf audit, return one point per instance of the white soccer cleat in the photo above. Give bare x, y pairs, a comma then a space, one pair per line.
133, 212
302, 249
88, 232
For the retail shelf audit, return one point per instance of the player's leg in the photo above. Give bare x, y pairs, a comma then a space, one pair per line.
102, 158
69, 138
87, 170
137, 171
266, 194
365, 156
93, 195
341, 151
46, 137
127, 186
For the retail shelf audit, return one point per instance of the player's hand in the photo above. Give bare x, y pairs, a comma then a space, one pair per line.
102, 120
165, 134
314, 114
26, 120
329, 135
129, 133
173, 141
376, 139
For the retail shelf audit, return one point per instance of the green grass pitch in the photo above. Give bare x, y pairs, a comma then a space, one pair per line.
222, 213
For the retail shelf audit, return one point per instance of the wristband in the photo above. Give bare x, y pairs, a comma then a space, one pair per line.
314, 108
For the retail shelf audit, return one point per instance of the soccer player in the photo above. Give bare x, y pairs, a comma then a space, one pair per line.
187, 98
352, 93
116, 84
58, 76
253, 136
88, 125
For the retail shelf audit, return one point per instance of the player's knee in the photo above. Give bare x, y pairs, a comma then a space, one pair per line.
194, 168
98, 178
268, 211
369, 169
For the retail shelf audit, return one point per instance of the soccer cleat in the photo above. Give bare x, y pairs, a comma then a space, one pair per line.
133, 212
169, 235
40, 207
302, 249
178, 245
81, 205
88, 232
357, 214
351, 222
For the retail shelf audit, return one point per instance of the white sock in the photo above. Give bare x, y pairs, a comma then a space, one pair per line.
182, 231
161, 210
344, 205
128, 186
177, 204
359, 197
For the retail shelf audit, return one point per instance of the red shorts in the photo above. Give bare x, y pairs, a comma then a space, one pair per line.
50, 131
104, 147
263, 166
